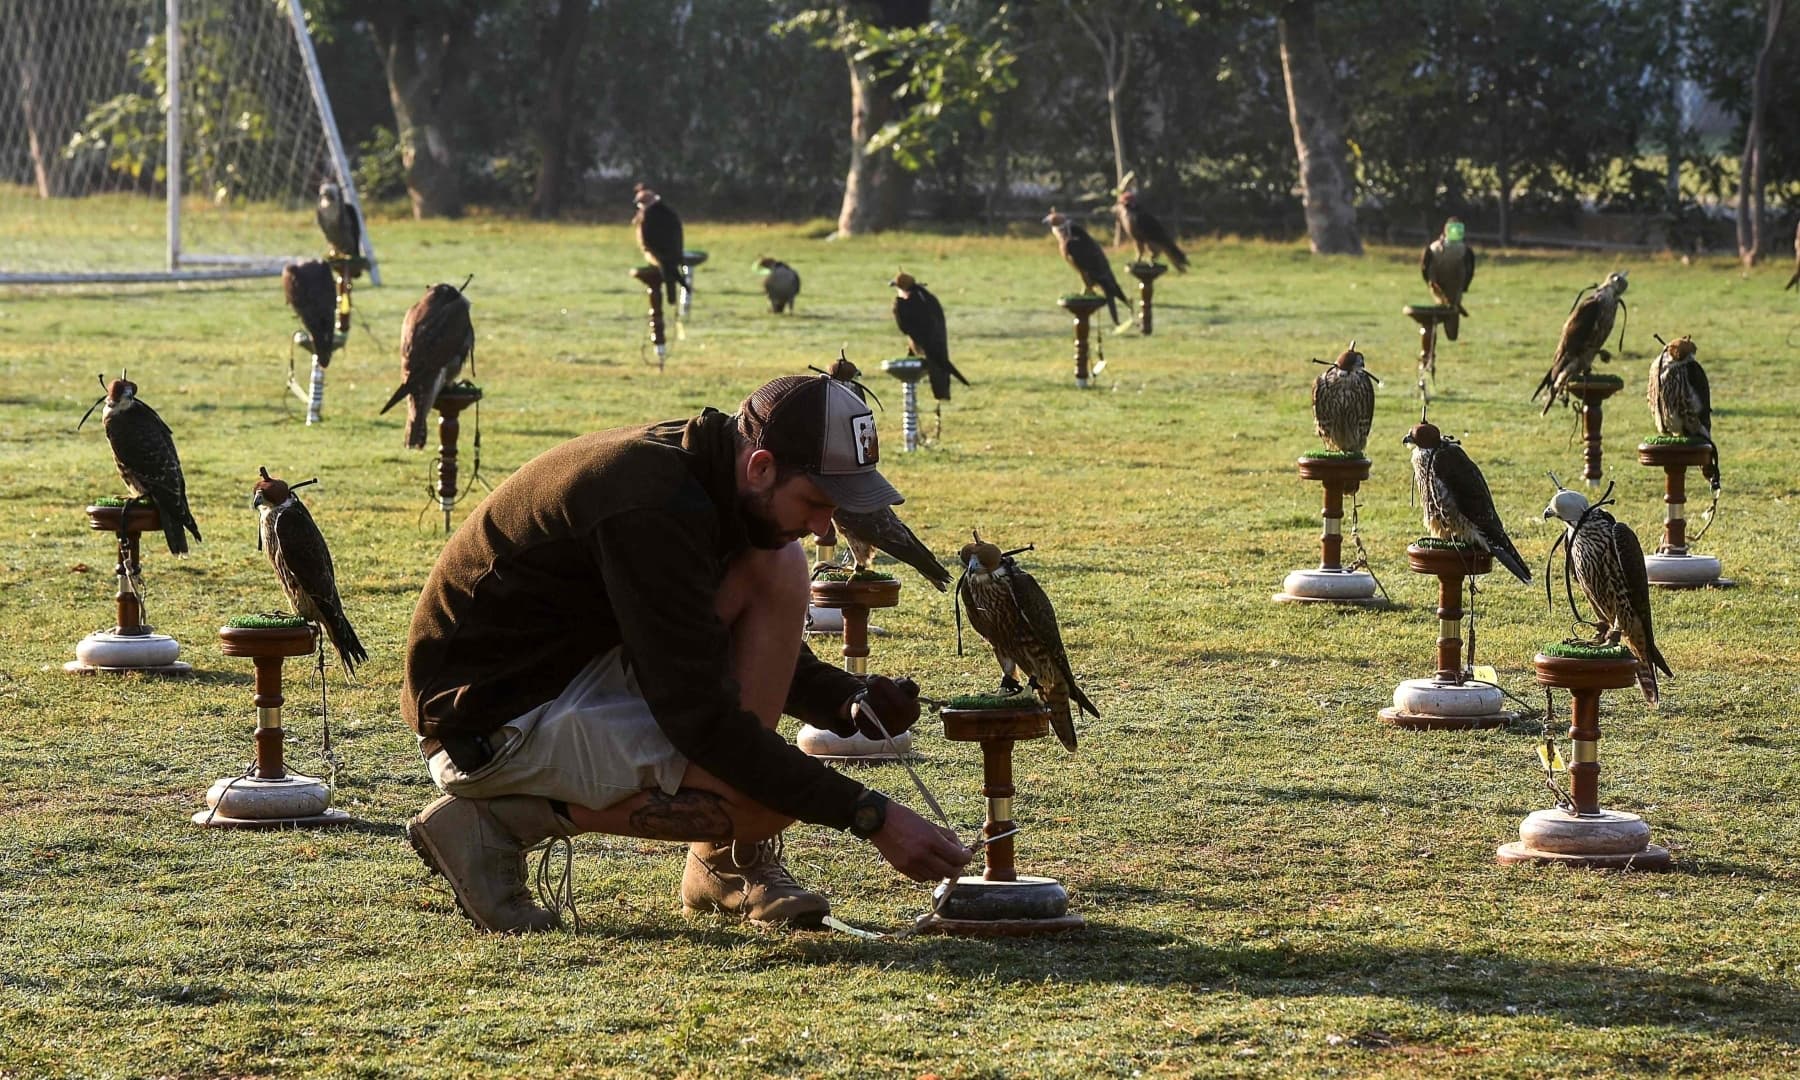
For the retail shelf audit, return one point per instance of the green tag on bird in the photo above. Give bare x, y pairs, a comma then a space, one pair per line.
1544, 757
1453, 232
1556, 761
1485, 673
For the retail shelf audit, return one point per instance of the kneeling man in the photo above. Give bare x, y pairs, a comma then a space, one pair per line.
608, 643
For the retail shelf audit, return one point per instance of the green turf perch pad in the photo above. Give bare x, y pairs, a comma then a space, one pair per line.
846, 574
1574, 651
1434, 544
1674, 440
1021, 700
266, 621
1335, 455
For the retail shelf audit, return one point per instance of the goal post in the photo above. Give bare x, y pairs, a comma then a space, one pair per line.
162, 140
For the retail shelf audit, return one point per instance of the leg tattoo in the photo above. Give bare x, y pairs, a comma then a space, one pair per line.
686, 815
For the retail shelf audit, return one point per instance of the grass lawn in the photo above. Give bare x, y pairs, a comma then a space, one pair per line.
1275, 882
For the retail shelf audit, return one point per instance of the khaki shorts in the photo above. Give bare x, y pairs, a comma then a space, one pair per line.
593, 746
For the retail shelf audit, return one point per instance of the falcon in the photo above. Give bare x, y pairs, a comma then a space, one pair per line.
921, 318
1458, 505
1150, 235
1606, 560
435, 339
659, 237
143, 448
303, 564
312, 293
1583, 339
1448, 266
781, 283
1008, 608
882, 530
1084, 253
1343, 402
1681, 399
339, 221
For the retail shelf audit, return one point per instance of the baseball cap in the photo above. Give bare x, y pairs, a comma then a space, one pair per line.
820, 426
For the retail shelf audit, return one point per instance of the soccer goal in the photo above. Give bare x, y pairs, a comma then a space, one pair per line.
161, 140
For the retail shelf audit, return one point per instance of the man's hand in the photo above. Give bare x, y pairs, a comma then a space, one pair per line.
896, 701
917, 848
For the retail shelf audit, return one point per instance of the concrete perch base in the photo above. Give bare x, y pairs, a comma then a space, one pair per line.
1684, 571
1351, 587
113, 652
1430, 705
1608, 840
249, 802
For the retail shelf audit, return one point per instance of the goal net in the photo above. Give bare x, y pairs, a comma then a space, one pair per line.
128, 153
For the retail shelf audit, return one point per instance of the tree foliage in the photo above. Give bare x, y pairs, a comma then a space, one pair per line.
1524, 107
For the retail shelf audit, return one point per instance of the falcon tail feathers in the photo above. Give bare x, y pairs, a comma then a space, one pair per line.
1454, 322
399, 393
171, 524
416, 415
1062, 722
343, 638
1509, 558
1646, 679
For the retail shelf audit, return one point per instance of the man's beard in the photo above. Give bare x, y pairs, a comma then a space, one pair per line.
759, 525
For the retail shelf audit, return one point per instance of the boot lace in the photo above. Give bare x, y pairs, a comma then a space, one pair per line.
556, 889
764, 864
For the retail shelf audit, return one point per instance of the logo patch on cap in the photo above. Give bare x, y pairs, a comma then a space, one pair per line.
868, 447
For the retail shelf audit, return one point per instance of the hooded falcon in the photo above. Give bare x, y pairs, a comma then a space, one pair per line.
144, 450
303, 565
1150, 235
1584, 338
312, 293
1343, 402
1083, 253
1681, 399
659, 237
1607, 561
435, 339
1458, 505
1448, 266
1008, 608
921, 318
339, 221
781, 284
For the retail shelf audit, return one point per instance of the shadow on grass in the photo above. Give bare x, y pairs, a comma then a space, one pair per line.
1573, 993
1442, 979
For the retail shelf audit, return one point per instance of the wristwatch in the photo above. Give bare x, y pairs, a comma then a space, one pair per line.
869, 814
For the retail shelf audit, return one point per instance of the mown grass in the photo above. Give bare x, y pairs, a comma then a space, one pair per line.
1275, 883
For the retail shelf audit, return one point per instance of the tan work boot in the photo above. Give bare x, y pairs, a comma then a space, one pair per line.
479, 845
749, 880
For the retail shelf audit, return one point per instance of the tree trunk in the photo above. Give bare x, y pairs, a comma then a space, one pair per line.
1325, 182
419, 55
44, 132
1503, 175
876, 189
1750, 170
555, 121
